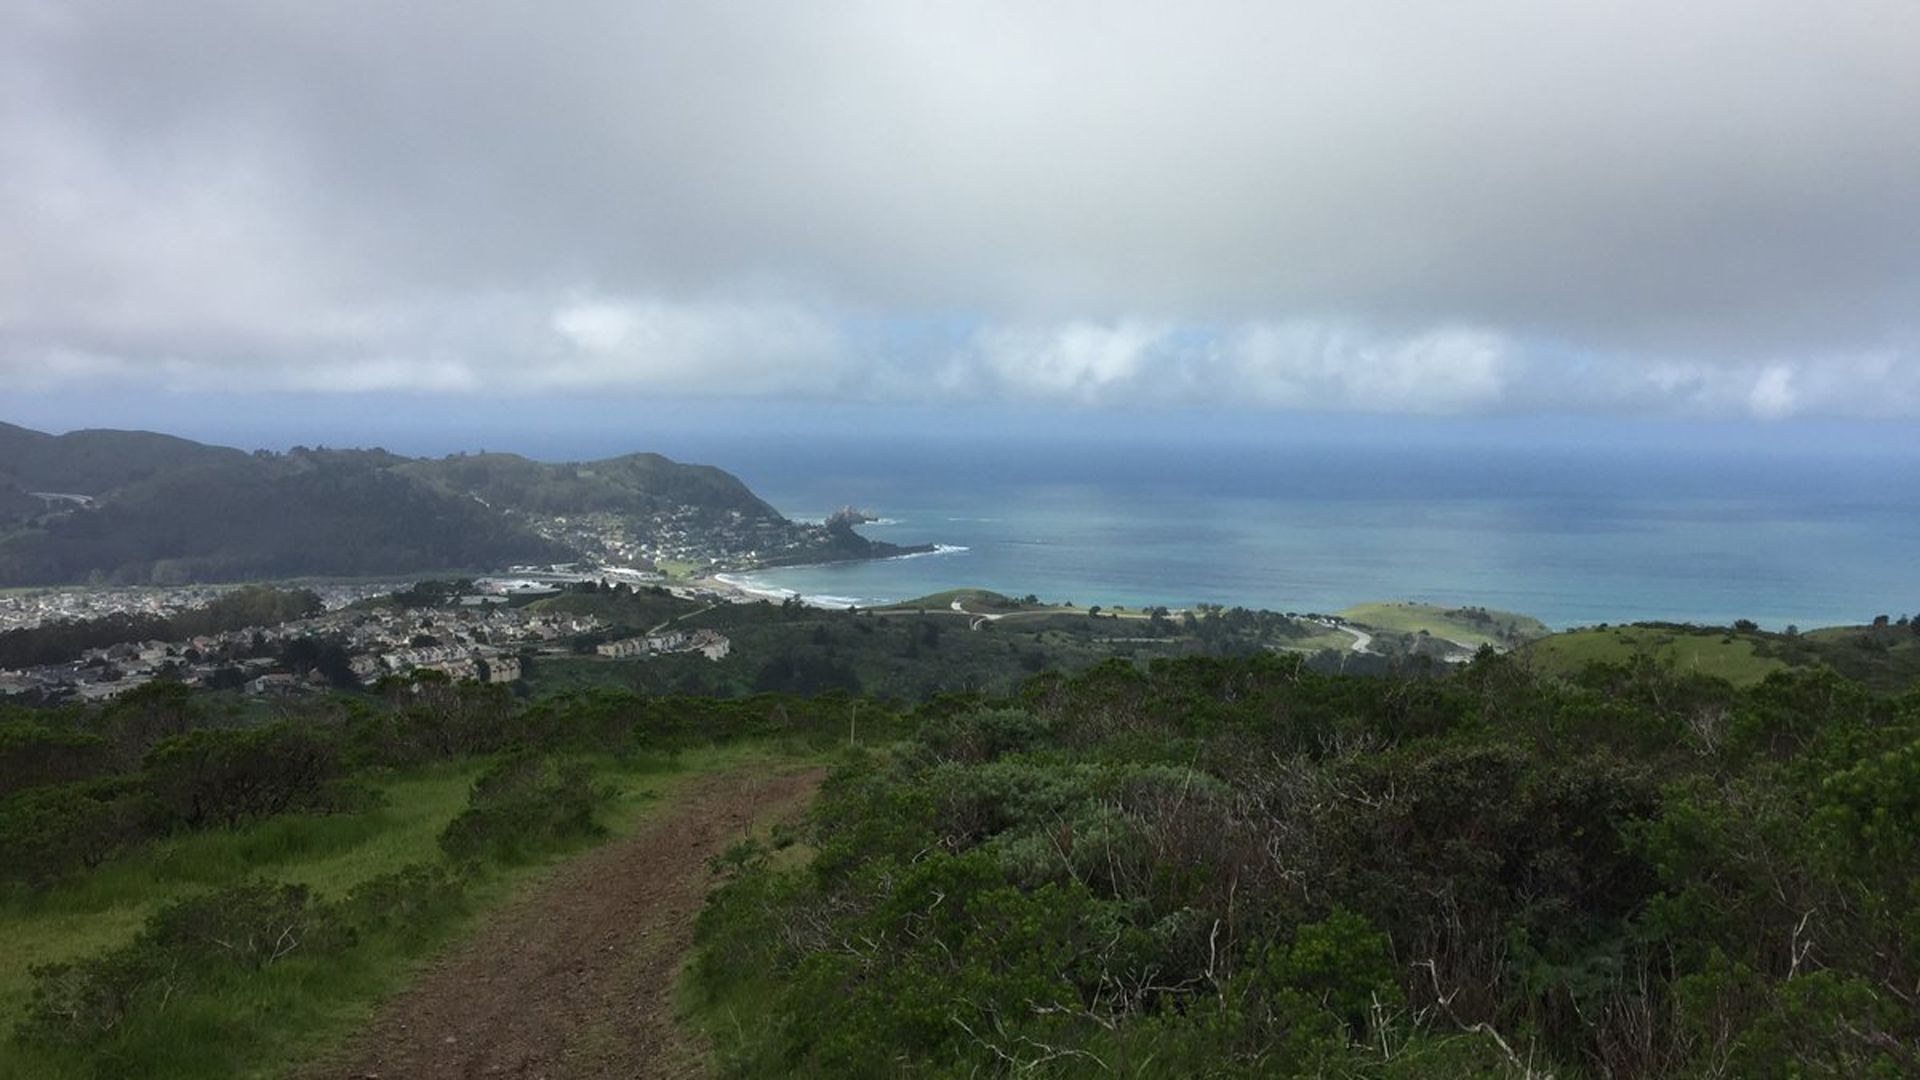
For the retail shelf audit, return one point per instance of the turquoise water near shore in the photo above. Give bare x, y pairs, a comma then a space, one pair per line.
1572, 537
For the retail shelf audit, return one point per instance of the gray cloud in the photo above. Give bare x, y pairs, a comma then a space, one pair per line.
1327, 205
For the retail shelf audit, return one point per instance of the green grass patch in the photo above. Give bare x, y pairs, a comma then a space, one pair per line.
1471, 627
972, 599
331, 853
630, 611
1720, 653
566, 674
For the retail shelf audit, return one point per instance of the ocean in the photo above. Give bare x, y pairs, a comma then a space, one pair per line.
1571, 535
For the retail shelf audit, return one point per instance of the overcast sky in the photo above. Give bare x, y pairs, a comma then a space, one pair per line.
1624, 208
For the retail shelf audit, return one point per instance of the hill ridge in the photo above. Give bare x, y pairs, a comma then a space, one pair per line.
169, 510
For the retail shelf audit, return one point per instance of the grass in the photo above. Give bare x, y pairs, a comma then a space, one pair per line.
331, 853
563, 674
1728, 655
1886, 658
1469, 627
720, 1012
971, 599
636, 611
682, 569
1336, 640
266, 1022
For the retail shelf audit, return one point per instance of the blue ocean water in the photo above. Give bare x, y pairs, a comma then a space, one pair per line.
1572, 536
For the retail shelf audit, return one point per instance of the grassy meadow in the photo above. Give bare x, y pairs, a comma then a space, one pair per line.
1720, 653
1469, 627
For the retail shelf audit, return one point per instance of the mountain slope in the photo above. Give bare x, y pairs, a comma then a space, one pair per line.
250, 517
169, 510
637, 484
94, 462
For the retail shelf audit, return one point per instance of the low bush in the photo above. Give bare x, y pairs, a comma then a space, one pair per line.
1245, 868
33, 754
524, 801
244, 927
50, 832
250, 926
407, 903
209, 777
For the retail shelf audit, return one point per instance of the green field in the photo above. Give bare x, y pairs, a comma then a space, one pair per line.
634, 610
1728, 655
974, 600
1469, 627
1885, 658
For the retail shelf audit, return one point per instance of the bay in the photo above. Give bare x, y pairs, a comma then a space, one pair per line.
1572, 536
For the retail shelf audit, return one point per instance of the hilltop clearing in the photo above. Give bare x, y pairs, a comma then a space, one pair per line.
1708, 651
1884, 657
1467, 627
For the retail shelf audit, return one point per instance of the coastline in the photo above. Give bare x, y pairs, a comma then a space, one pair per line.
737, 586
734, 588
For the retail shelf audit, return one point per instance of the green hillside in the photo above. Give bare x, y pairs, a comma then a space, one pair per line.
1241, 868
1166, 865
16, 505
265, 516
637, 484
1471, 627
1883, 657
169, 510
95, 462
1723, 654
974, 600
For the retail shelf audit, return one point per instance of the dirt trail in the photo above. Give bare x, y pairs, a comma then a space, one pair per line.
575, 977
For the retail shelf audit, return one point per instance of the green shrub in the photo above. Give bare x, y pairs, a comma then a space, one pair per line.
250, 925
75, 1003
32, 755
407, 903
1819, 1024
1872, 810
208, 777
980, 735
47, 833
246, 927
522, 803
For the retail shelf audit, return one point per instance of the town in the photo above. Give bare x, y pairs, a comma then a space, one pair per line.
28, 608
482, 637
693, 537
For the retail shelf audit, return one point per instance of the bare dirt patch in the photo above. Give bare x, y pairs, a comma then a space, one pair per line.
575, 977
